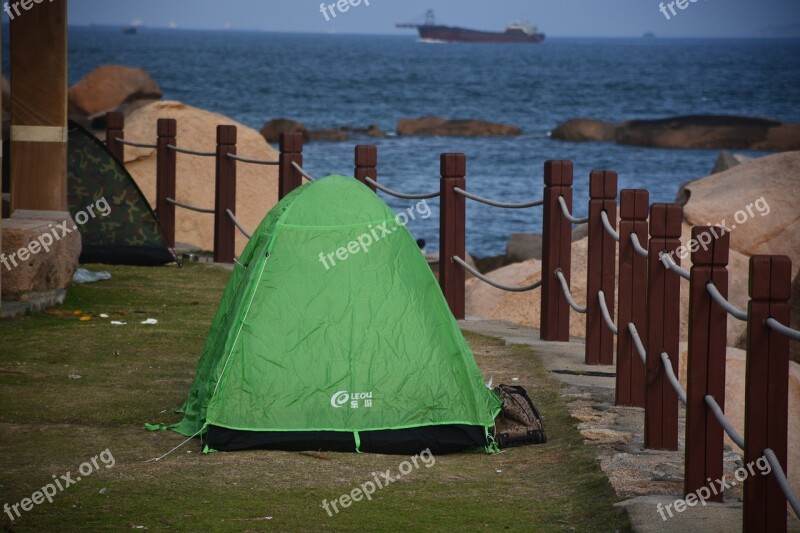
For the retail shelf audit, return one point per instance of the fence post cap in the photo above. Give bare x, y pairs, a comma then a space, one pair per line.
167, 127
366, 155
226, 134
603, 185
115, 120
666, 221
453, 165
291, 142
770, 277
634, 204
709, 246
558, 173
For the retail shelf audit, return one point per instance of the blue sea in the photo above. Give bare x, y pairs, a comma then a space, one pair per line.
328, 81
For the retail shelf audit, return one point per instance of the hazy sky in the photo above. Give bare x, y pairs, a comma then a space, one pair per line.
607, 18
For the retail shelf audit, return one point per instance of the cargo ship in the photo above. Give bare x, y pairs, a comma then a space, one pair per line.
517, 32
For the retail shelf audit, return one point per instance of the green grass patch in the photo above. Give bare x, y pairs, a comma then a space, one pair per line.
70, 389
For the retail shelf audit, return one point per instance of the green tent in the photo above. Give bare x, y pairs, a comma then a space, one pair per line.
309, 351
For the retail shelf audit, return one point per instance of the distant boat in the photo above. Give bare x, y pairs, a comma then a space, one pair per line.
517, 32
129, 30
649, 35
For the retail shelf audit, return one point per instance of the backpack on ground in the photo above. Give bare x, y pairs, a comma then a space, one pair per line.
519, 423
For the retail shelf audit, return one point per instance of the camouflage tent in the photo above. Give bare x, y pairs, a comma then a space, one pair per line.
129, 234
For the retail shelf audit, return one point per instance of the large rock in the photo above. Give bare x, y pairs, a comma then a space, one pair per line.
795, 346
734, 403
328, 135
47, 262
438, 126
727, 160
109, 86
272, 130
373, 130
523, 246
711, 131
583, 129
256, 185
758, 200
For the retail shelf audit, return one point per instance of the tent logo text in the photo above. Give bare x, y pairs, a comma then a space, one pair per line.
353, 399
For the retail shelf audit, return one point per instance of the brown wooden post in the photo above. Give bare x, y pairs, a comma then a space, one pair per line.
115, 129
453, 168
556, 251
632, 300
663, 328
766, 390
366, 164
224, 229
165, 178
708, 331
291, 147
601, 272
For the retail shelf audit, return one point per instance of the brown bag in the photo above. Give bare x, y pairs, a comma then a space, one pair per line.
519, 423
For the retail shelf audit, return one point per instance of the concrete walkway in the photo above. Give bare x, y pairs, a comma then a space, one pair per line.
644, 478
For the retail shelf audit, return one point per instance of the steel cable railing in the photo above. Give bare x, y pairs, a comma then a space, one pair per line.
191, 152
135, 144
673, 379
251, 161
568, 215
238, 224
783, 330
637, 342
638, 248
780, 477
601, 296
670, 264
190, 207
493, 283
723, 421
567, 293
401, 195
725, 304
607, 225
495, 203
302, 172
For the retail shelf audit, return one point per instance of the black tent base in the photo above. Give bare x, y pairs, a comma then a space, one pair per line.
438, 439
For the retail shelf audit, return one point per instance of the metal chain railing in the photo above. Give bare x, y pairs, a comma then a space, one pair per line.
638, 248
673, 379
783, 330
780, 477
495, 203
191, 152
238, 224
302, 172
725, 304
251, 161
601, 296
135, 144
190, 207
568, 215
567, 293
493, 283
401, 195
672, 265
607, 225
724, 422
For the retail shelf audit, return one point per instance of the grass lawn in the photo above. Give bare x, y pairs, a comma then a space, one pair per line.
71, 388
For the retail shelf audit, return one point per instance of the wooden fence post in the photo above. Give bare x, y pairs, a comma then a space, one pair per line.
632, 299
556, 251
115, 129
708, 332
663, 328
453, 169
225, 198
766, 390
165, 178
601, 272
291, 147
366, 164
